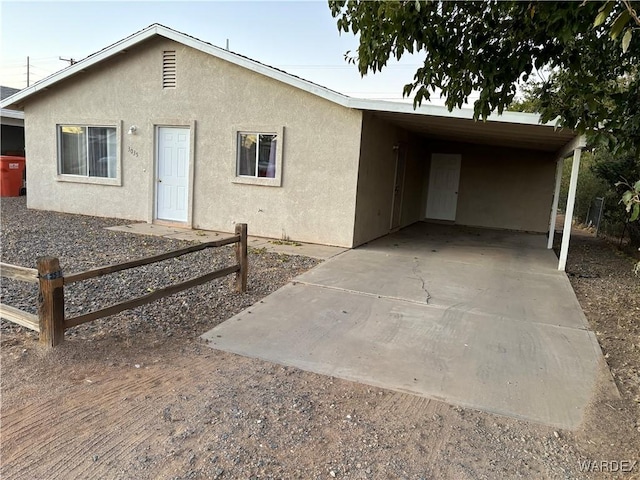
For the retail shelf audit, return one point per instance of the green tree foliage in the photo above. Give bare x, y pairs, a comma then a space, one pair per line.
631, 199
602, 174
528, 101
590, 186
587, 55
618, 171
588, 49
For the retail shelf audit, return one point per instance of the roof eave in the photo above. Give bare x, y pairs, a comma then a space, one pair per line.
15, 101
255, 66
521, 118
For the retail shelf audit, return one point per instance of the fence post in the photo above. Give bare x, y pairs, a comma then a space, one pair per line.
50, 301
241, 257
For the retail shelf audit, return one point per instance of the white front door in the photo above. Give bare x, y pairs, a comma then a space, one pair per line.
442, 197
172, 174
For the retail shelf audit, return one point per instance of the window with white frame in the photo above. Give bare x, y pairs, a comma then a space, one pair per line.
257, 154
87, 151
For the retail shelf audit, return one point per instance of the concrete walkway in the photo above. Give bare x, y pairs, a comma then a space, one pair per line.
473, 317
322, 252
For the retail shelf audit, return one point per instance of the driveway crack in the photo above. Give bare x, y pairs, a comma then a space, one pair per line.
418, 276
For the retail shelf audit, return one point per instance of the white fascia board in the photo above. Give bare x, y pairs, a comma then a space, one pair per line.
578, 142
279, 75
185, 40
79, 67
17, 114
521, 118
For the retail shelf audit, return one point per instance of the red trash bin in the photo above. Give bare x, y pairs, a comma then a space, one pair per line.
11, 175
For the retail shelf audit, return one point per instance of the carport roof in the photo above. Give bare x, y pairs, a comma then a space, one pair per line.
516, 129
444, 125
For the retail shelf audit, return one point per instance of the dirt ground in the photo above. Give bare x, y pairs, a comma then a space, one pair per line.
152, 406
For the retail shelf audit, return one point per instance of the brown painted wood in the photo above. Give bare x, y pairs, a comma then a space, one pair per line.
15, 315
50, 301
242, 258
16, 272
158, 294
98, 272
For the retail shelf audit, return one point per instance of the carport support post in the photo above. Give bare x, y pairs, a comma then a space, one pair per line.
571, 200
242, 258
50, 301
554, 208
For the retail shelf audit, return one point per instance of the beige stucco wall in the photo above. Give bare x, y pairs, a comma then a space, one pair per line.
375, 179
316, 202
500, 187
412, 193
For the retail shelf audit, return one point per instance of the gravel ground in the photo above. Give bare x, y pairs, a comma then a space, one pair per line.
81, 242
137, 396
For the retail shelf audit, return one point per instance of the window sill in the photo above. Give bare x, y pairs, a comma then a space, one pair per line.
116, 182
268, 182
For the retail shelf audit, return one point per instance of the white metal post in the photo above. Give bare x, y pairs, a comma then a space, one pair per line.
554, 207
571, 200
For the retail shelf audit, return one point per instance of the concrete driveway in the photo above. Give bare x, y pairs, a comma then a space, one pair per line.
473, 317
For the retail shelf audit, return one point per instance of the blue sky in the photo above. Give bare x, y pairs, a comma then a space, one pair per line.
299, 37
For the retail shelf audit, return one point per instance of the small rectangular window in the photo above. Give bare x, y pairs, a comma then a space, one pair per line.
87, 151
257, 154
169, 69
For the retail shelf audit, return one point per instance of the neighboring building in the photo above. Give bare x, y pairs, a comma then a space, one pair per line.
12, 126
163, 127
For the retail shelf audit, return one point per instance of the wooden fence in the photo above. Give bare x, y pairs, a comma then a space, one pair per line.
51, 321
15, 315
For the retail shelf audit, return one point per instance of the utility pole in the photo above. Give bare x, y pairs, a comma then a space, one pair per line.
27, 70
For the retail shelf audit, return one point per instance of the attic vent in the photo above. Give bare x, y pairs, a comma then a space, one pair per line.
169, 69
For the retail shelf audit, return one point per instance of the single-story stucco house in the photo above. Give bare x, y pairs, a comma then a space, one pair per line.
166, 128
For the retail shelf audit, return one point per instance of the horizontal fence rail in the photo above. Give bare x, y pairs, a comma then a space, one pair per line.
15, 315
148, 298
16, 272
50, 321
98, 272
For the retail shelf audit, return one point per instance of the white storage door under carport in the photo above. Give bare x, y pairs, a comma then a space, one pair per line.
444, 178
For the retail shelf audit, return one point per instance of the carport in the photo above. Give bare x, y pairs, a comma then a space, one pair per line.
475, 317
443, 166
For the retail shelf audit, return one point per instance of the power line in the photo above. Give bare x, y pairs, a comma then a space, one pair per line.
13, 65
38, 67
15, 59
342, 67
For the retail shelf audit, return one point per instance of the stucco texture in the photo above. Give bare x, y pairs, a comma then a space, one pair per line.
316, 199
376, 178
502, 187
338, 164
412, 193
